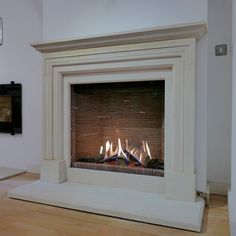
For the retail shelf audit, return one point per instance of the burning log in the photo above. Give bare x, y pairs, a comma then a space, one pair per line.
129, 156
110, 159
139, 155
133, 158
90, 159
155, 164
130, 153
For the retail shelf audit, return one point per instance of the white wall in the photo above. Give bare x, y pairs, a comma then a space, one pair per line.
219, 86
80, 18
232, 196
73, 18
19, 62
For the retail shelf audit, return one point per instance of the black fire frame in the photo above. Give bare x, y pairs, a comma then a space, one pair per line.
11, 108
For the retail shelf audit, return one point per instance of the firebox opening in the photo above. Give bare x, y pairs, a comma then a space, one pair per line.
118, 127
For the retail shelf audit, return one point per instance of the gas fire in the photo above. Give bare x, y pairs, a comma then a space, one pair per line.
137, 156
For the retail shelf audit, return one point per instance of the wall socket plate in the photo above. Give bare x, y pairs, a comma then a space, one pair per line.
221, 50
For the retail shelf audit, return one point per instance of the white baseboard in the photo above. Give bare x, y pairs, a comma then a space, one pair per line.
219, 188
233, 228
33, 169
232, 223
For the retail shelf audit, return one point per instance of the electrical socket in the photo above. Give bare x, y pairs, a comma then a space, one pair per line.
221, 50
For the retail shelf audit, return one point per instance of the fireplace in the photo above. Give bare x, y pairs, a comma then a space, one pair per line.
119, 125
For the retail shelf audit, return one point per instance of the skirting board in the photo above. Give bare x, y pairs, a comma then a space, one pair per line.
140, 206
6, 172
33, 169
232, 222
218, 188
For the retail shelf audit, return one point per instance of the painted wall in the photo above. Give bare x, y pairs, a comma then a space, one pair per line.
80, 18
219, 86
19, 62
232, 195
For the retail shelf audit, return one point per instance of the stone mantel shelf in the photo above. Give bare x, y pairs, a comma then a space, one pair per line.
191, 30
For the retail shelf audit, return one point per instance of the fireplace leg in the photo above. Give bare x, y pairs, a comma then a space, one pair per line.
180, 186
53, 171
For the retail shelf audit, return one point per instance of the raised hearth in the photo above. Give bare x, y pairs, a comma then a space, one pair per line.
160, 54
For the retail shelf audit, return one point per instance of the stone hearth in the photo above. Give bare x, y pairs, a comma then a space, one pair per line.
150, 55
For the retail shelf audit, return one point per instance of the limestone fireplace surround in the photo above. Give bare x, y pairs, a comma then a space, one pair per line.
166, 53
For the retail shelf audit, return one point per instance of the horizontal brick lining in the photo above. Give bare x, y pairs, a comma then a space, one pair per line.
123, 169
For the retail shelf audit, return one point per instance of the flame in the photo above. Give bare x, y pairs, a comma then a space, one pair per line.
144, 146
101, 149
107, 146
148, 151
112, 153
120, 150
117, 150
141, 158
139, 153
111, 149
132, 151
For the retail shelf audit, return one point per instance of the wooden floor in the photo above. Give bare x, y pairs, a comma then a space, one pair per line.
26, 219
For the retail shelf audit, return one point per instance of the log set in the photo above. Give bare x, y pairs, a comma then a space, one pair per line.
116, 168
121, 161
128, 160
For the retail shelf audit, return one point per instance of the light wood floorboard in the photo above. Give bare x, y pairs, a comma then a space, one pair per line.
23, 218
